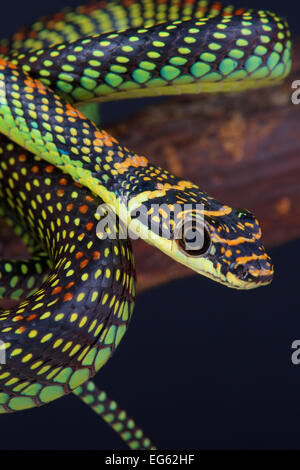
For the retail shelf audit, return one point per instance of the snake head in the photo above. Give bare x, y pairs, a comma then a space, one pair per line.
230, 249
196, 230
213, 239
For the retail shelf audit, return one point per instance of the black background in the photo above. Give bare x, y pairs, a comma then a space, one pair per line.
202, 366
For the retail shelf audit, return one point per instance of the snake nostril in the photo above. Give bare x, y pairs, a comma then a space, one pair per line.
242, 271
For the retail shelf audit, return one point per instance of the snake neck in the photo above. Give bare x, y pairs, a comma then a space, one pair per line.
222, 53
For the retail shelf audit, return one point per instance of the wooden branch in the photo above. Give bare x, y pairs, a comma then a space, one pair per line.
243, 149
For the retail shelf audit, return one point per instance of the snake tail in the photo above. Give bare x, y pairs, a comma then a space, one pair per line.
114, 416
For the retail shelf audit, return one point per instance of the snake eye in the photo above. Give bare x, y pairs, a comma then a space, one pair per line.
193, 238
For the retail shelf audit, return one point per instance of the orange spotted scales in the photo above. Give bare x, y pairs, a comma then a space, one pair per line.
76, 294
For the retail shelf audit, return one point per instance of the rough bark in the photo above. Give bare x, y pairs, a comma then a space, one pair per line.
244, 149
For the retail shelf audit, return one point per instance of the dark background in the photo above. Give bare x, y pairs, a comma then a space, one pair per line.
202, 366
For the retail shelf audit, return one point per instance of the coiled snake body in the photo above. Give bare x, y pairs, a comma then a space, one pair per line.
56, 167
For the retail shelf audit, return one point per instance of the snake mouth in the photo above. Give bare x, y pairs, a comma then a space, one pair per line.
232, 280
265, 277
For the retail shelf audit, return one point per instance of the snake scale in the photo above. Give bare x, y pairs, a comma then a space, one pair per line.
75, 296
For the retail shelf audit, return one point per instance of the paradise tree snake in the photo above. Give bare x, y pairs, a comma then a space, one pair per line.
67, 327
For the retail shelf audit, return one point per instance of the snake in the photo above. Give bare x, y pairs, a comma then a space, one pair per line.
62, 177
